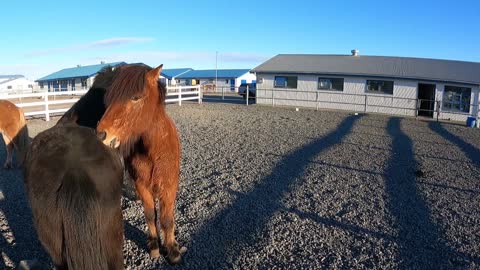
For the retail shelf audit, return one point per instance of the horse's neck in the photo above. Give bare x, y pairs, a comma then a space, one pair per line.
160, 127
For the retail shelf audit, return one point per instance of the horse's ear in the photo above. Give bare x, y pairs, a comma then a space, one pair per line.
155, 73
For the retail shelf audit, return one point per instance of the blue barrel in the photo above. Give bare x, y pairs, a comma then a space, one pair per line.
471, 121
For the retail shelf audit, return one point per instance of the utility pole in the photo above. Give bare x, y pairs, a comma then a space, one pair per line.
216, 70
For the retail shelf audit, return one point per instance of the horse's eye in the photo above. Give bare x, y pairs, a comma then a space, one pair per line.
135, 98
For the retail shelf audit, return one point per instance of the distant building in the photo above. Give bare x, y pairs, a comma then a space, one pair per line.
391, 85
169, 76
231, 78
71, 79
15, 84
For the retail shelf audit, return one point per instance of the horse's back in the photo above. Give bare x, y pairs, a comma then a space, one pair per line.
74, 186
11, 117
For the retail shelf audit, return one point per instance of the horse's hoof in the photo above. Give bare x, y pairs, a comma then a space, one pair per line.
154, 253
174, 257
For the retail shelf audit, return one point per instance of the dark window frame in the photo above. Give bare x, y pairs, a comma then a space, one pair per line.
381, 87
332, 84
456, 99
293, 82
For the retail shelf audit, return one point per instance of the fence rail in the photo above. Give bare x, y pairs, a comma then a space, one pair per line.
61, 101
367, 103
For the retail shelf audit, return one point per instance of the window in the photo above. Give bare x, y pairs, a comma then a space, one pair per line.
226, 81
41, 85
84, 83
335, 84
285, 82
456, 98
30, 86
380, 87
9, 87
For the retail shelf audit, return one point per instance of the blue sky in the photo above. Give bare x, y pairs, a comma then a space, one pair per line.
40, 37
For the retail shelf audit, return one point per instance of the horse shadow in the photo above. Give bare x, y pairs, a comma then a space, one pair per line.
420, 240
240, 224
18, 240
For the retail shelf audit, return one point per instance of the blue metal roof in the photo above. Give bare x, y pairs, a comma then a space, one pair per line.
78, 72
174, 72
210, 73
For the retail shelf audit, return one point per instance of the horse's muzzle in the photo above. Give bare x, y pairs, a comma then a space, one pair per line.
112, 142
102, 135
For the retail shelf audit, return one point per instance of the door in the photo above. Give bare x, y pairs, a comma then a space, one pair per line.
426, 99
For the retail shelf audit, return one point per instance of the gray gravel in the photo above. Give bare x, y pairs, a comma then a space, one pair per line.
271, 188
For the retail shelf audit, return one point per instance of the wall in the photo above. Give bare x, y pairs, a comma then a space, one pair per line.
16, 85
458, 116
249, 77
353, 96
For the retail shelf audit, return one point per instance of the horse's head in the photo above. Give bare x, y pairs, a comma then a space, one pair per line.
132, 101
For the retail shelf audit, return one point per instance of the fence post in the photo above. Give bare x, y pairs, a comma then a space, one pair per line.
247, 94
223, 93
273, 100
200, 95
437, 107
180, 96
366, 99
47, 112
316, 101
417, 106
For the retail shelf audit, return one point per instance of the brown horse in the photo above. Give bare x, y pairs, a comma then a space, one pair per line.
136, 122
74, 185
14, 130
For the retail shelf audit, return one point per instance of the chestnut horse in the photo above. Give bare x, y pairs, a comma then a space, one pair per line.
135, 121
14, 131
74, 185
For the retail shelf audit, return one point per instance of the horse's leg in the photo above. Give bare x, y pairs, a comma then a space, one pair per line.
150, 216
9, 146
113, 228
167, 221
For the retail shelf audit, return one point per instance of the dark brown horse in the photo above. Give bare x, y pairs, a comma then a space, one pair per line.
74, 185
14, 130
91, 107
136, 122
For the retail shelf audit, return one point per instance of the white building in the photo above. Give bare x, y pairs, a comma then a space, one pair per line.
391, 85
169, 76
14, 84
228, 78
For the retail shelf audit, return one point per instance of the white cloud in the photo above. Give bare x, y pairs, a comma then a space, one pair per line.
103, 43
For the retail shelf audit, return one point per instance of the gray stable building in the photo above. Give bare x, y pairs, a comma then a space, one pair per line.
392, 85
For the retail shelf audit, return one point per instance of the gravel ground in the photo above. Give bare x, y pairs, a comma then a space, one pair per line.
271, 188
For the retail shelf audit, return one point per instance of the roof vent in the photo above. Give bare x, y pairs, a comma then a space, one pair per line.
355, 52
102, 62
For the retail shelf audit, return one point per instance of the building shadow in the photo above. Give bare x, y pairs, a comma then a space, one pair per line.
220, 240
472, 152
420, 241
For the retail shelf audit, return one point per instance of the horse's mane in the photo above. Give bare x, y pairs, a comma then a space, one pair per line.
105, 77
130, 80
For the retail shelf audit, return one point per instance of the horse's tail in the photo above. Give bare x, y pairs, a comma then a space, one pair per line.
22, 139
83, 247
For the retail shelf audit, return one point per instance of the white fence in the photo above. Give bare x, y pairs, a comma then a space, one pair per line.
56, 102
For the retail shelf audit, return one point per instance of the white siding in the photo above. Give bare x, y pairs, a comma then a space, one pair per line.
352, 98
17, 85
458, 116
249, 77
